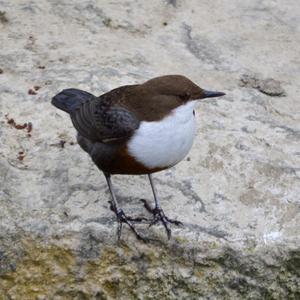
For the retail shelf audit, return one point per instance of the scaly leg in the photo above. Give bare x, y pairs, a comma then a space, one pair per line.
157, 211
121, 217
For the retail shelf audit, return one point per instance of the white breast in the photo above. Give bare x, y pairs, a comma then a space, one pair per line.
166, 142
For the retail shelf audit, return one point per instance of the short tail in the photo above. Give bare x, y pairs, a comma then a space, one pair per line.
68, 100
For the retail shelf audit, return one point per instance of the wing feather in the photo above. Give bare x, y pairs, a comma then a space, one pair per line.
101, 121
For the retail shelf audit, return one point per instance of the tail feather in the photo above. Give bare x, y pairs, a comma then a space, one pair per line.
68, 100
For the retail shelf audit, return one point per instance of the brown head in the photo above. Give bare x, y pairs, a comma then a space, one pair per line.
180, 86
157, 97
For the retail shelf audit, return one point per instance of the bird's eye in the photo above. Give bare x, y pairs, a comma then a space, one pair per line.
185, 97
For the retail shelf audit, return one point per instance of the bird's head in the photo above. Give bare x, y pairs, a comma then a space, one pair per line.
180, 86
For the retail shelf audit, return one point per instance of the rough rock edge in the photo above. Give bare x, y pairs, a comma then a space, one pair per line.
98, 268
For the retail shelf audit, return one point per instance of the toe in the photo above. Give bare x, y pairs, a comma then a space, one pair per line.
175, 222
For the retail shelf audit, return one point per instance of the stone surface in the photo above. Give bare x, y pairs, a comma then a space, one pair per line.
237, 192
267, 86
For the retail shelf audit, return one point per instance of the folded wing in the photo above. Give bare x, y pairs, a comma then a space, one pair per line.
99, 120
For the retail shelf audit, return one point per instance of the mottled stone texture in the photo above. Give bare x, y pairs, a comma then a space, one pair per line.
237, 192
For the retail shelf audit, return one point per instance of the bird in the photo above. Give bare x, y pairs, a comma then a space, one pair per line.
136, 129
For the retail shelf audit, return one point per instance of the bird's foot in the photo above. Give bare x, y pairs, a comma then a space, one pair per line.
159, 216
122, 218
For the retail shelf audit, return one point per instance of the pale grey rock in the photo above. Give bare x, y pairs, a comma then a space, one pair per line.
237, 193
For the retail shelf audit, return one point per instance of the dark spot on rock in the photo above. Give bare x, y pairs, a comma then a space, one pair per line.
165, 23
2, 256
3, 18
62, 143
29, 127
19, 126
13, 266
42, 67
172, 2
293, 262
36, 87
1, 71
31, 92
107, 22
12, 122
241, 146
240, 284
245, 129
21, 157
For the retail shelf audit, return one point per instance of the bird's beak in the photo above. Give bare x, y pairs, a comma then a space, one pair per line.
211, 94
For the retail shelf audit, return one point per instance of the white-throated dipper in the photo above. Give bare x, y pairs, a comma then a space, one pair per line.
136, 129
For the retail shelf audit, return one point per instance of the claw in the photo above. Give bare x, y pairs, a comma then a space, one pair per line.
122, 218
159, 215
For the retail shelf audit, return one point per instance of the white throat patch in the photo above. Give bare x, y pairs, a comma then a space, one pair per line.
166, 142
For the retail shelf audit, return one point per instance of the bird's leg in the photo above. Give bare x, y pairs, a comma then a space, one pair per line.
157, 211
121, 217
